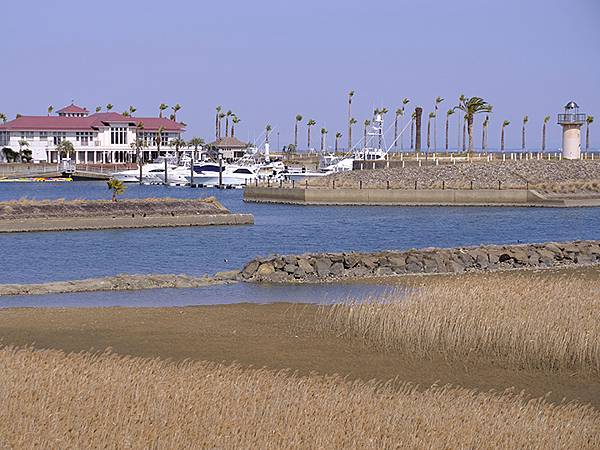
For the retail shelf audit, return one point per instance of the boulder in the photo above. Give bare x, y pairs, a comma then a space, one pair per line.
322, 266
337, 269
250, 269
290, 268
305, 266
265, 269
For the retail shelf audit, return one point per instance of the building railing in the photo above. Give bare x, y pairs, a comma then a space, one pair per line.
571, 118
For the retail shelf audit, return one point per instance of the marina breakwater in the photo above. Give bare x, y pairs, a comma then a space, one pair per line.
61, 215
405, 197
323, 267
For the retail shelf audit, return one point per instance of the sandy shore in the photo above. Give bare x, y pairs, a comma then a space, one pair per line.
123, 282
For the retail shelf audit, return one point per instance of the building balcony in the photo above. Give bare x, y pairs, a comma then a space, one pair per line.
571, 119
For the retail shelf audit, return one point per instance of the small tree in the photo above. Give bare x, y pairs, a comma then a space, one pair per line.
323, 134
65, 148
309, 125
338, 136
472, 106
22, 144
546, 120
116, 186
504, 125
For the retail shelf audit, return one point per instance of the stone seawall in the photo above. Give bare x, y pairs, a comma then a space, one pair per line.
336, 266
399, 197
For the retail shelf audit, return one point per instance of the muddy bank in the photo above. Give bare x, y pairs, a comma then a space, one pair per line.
122, 282
61, 215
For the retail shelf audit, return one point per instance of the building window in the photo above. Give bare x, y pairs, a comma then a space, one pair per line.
4, 137
84, 137
118, 135
59, 136
43, 135
27, 135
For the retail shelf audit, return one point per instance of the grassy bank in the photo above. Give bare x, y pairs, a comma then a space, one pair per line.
53, 400
489, 336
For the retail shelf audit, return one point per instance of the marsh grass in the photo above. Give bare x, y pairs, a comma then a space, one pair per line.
49, 399
522, 323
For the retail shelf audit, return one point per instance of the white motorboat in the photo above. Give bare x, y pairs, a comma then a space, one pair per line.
232, 175
151, 173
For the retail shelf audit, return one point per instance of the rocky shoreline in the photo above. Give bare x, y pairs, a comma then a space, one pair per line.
121, 282
326, 267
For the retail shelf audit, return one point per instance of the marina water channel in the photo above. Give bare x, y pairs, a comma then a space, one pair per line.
283, 229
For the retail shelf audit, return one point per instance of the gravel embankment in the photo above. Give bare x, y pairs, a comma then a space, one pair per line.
547, 176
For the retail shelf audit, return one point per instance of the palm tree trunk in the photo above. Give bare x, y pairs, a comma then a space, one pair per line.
232, 130
217, 127
464, 135
502, 140
523, 138
336, 144
349, 124
309, 137
349, 137
296, 134
365, 137
226, 126
402, 135
412, 133
587, 137
428, 134
470, 128
447, 123
435, 131
419, 112
396, 132
544, 137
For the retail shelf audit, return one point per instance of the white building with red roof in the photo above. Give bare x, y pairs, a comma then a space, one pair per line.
102, 137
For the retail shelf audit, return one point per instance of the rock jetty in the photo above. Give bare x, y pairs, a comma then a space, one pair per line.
338, 266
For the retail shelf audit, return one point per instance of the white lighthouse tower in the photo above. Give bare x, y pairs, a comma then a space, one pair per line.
571, 121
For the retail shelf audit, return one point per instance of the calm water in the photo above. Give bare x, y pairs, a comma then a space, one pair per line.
39, 257
210, 295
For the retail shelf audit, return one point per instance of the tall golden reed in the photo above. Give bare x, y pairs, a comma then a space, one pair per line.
52, 400
521, 322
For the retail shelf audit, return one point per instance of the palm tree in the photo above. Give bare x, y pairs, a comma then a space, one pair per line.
116, 186
161, 108
405, 101
460, 122
221, 116
338, 136
65, 148
158, 138
125, 113
472, 106
109, 107
234, 121
525, 120
438, 100
366, 124
309, 124
484, 134
351, 123
50, 109
504, 125
132, 109
175, 108
22, 143
196, 142
399, 113
137, 145
217, 124
3, 118
588, 121
98, 109
413, 117
546, 120
448, 114
383, 111
268, 129
227, 115
431, 116
296, 122
323, 134
350, 95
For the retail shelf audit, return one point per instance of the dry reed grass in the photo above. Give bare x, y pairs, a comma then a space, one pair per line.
52, 400
524, 323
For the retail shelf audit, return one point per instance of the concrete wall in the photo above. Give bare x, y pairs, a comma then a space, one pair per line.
397, 196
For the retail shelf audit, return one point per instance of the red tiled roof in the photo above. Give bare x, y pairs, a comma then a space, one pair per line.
72, 109
58, 123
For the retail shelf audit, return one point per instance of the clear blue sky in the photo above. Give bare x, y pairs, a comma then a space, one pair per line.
268, 60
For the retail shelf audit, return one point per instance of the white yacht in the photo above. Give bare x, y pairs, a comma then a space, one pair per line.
232, 175
151, 173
